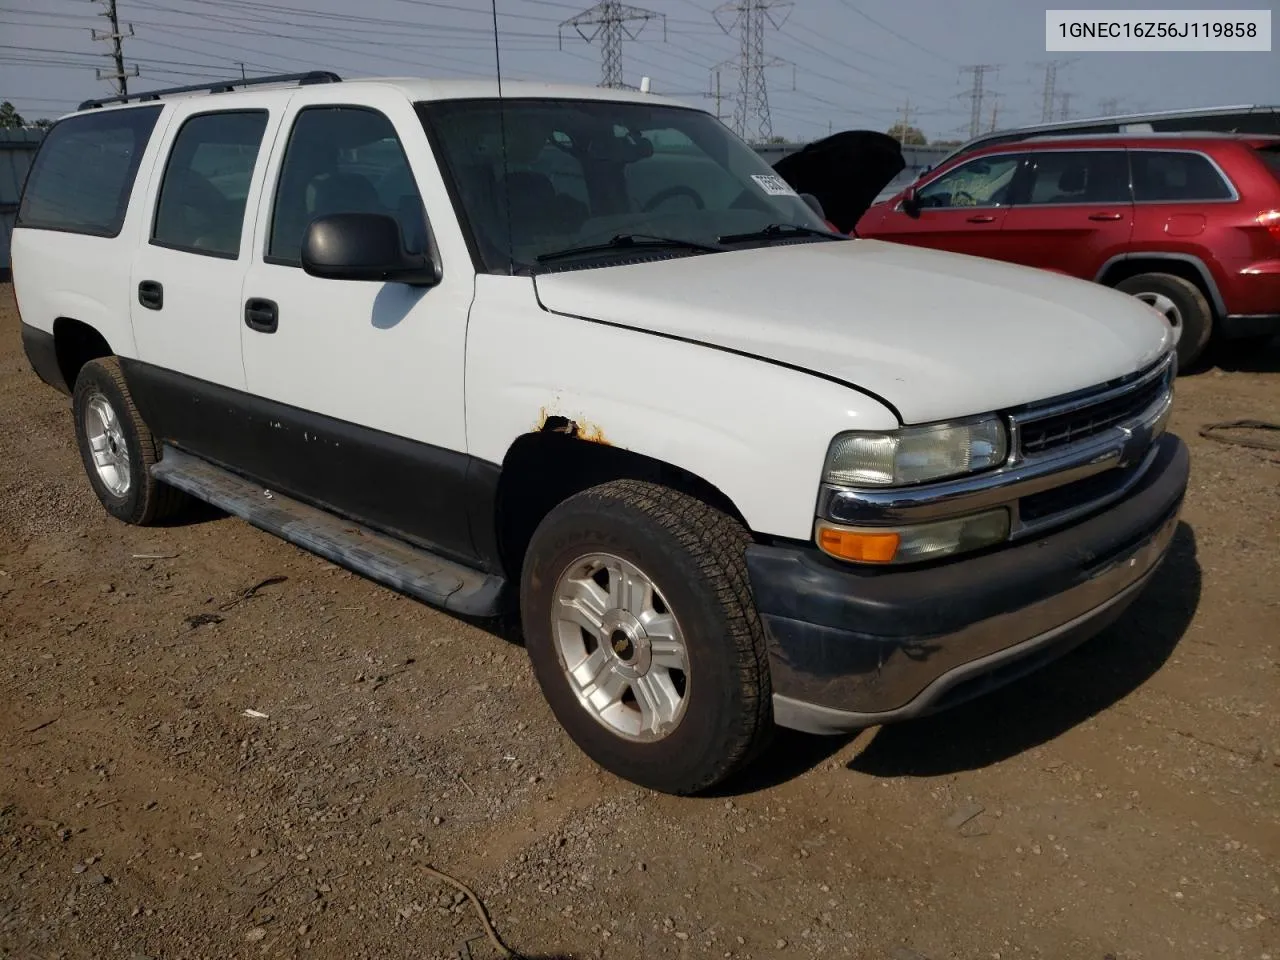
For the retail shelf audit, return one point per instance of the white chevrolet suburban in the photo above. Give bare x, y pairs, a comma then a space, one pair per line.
581, 354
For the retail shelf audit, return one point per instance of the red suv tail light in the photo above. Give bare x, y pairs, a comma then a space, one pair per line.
1270, 219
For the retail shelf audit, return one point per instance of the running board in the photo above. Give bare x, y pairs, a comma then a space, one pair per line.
399, 565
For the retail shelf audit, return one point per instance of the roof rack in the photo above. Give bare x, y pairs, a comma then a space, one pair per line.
221, 86
1143, 135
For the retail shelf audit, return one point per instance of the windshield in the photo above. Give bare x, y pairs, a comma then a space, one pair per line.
580, 173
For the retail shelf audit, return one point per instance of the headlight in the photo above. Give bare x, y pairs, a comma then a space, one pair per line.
912, 543
915, 454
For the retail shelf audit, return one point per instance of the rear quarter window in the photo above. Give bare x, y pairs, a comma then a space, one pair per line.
1172, 176
1270, 156
84, 171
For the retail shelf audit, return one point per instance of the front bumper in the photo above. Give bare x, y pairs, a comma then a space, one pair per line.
851, 647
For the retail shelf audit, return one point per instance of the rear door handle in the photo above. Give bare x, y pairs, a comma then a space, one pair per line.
151, 294
982, 218
1106, 216
261, 315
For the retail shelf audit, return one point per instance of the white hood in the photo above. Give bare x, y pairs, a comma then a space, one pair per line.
938, 335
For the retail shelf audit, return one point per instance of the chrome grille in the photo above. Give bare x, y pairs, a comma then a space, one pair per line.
1088, 418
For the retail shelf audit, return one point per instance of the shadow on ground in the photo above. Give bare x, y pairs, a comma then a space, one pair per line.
1246, 356
1046, 704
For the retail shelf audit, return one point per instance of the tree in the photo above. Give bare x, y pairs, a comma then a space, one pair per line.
10, 119
907, 136
44, 123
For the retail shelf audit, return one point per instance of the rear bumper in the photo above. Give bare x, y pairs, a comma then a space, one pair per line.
851, 647
43, 356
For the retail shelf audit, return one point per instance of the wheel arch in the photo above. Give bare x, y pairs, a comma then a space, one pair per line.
545, 467
1185, 265
75, 344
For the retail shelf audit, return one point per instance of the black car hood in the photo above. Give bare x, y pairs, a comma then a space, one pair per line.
845, 171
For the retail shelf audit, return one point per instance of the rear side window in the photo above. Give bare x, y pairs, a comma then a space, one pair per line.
1170, 175
342, 160
1084, 176
1271, 157
83, 173
206, 183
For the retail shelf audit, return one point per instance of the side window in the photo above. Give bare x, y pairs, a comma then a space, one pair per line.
1084, 176
83, 173
1176, 175
206, 183
982, 182
342, 160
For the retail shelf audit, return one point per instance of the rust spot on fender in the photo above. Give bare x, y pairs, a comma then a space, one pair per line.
581, 429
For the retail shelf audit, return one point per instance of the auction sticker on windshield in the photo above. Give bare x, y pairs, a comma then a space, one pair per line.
773, 185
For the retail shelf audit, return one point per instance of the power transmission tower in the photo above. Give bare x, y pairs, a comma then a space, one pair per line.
120, 75
906, 122
1110, 106
610, 21
751, 119
995, 111
976, 94
1065, 112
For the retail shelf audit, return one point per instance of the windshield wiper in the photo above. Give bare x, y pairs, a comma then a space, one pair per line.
623, 241
775, 230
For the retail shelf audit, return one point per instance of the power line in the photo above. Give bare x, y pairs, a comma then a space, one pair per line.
120, 75
895, 33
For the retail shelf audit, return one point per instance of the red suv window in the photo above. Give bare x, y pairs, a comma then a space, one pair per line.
1271, 157
1176, 175
1076, 176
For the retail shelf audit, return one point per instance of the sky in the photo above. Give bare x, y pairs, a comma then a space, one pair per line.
841, 64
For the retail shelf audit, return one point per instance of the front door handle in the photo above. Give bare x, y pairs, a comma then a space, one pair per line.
1106, 216
982, 218
261, 315
151, 294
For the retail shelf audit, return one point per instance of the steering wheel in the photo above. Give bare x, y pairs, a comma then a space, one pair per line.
679, 190
963, 198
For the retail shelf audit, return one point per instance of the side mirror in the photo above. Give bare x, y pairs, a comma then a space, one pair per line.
814, 204
364, 246
910, 203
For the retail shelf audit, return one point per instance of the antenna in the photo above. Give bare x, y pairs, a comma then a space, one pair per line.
502, 134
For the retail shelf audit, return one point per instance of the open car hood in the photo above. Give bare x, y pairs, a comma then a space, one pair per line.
845, 171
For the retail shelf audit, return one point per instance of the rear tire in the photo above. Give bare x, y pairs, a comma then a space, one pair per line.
1184, 307
639, 621
117, 449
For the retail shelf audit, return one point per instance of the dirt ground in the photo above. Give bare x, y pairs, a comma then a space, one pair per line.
1123, 803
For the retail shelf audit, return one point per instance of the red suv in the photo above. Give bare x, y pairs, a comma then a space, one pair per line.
1190, 223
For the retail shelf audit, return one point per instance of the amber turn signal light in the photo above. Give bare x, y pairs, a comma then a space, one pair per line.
858, 545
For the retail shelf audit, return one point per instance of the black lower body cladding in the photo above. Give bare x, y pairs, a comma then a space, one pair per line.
851, 647
42, 353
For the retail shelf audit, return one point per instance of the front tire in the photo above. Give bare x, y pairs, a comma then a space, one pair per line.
116, 447
1184, 307
640, 625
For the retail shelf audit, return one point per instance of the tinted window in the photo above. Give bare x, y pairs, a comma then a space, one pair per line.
1271, 157
206, 182
342, 160
1171, 175
982, 182
1099, 176
83, 175
535, 178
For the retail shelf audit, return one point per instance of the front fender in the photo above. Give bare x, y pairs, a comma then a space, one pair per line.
756, 430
